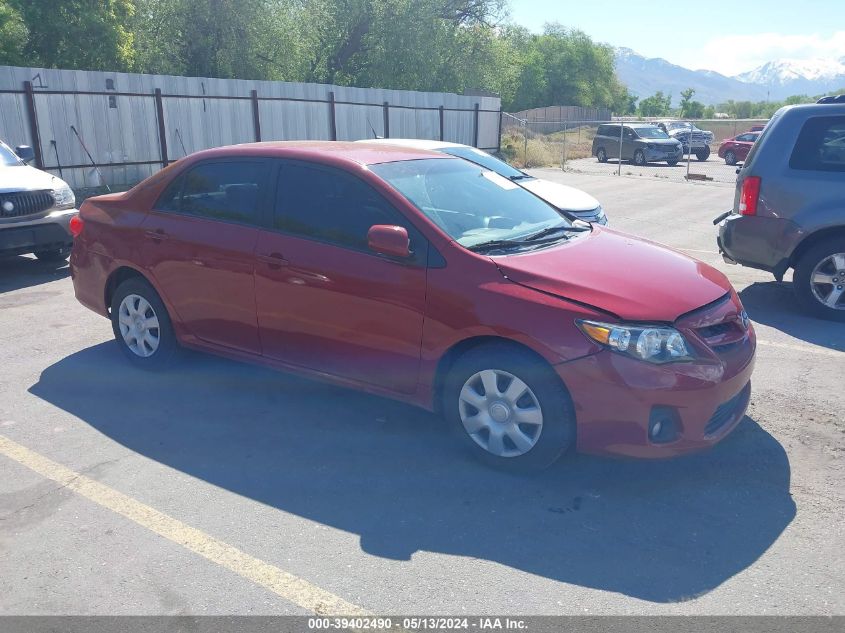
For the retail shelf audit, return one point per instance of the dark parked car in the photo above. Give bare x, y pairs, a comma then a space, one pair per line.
641, 143
426, 278
789, 208
736, 149
694, 140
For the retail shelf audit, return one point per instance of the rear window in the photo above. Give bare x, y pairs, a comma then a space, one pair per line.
608, 130
820, 145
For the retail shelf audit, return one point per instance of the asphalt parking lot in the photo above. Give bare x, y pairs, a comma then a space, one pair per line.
712, 170
221, 488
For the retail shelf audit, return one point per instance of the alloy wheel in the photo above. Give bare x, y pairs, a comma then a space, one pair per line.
828, 281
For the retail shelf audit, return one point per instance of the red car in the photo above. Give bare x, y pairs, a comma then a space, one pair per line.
426, 278
736, 149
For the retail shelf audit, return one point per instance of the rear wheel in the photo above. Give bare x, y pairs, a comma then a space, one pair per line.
509, 407
639, 158
819, 280
702, 154
54, 255
142, 326
601, 155
730, 158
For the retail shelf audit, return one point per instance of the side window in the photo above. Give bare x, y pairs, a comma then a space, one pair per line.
746, 138
227, 191
331, 206
820, 145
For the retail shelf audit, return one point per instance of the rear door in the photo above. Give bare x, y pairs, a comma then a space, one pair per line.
325, 301
201, 237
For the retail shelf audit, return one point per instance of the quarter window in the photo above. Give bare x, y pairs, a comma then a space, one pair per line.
820, 145
228, 191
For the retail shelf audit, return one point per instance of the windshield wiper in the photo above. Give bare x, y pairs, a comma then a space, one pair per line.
496, 244
520, 177
554, 229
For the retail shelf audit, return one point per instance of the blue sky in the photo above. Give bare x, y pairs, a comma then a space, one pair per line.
729, 37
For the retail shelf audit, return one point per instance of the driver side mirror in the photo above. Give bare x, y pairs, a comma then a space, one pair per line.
386, 239
25, 153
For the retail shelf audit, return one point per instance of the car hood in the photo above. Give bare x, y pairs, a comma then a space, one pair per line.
661, 141
561, 196
26, 178
630, 277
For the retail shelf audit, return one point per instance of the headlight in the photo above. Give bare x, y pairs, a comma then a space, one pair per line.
64, 197
655, 344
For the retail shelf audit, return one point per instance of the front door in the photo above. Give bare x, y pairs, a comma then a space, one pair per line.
327, 303
201, 237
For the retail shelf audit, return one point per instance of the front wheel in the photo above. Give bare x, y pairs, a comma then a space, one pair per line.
672, 162
730, 159
819, 279
639, 158
509, 407
601, 155
702, 154
54, 255
142, 326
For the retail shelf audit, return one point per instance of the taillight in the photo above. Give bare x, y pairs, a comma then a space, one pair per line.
75, 225
749, 195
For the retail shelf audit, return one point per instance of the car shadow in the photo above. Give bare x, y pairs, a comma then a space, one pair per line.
660, 531
24, 272
773, 303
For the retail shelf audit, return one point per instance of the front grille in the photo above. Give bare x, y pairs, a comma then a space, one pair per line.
715, 330
17, 204
727, 411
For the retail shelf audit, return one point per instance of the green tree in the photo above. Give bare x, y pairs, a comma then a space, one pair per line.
656, 105
77, 33
13, 35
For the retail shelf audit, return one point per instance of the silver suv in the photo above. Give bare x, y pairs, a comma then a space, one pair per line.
789, 206
35, 208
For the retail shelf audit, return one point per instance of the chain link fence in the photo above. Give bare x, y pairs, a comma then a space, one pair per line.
710, 150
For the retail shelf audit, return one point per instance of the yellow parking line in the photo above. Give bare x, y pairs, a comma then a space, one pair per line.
292, 588
810, 349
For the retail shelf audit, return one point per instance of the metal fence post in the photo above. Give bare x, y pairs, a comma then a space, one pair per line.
621, 129
162, 133
442, 126
689, 147
256, 117
386, 115
525, 143
563, 163
33, 124
332, 117
499, 133
475, 126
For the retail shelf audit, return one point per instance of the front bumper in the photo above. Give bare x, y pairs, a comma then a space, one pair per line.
617, 399
655, 155
595, 216
47, 232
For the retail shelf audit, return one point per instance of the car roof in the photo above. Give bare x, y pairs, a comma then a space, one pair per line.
335, 152
415, 143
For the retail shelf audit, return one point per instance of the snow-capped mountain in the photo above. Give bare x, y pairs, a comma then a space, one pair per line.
774, 80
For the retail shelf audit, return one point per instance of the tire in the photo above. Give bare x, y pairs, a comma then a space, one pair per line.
639, 158
702, 154
54, 256
672, 163
825, 260
544, 399
730, 158
144, 301
601, 155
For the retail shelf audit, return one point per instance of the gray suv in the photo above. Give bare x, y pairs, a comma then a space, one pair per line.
641, 143
35, 208
789, 206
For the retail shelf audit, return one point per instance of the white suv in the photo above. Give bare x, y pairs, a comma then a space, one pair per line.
568, 199
35, 208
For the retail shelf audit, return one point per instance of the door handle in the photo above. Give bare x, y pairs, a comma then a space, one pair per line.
274, 260
157, 234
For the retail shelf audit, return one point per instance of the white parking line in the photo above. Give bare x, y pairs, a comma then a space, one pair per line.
808, 349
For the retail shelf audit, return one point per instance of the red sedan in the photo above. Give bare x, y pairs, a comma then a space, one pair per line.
736, 149
426, 278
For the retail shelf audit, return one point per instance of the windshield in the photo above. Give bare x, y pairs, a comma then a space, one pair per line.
471, 204
7, 157
485, 160
651, 132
